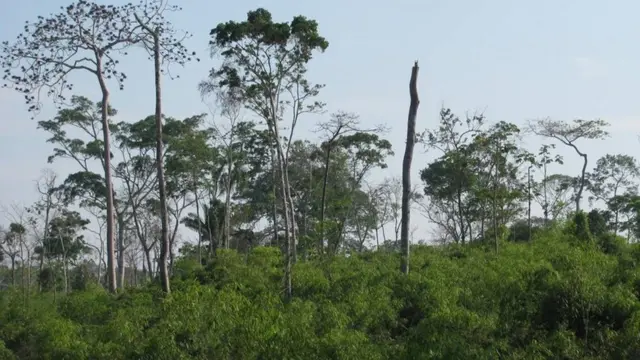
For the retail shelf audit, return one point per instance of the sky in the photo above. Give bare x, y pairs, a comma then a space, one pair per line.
512, 60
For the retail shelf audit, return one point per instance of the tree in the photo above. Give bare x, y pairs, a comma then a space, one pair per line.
192, 154
568, 134
65, 242
406, 168
164, 46
613, 174
544, 159
230, 136
364, 151
87, 186
553, 194
264, 66
10, 245
84, 36
341, 123
450, 180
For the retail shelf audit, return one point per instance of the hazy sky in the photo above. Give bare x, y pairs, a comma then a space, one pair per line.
514, 60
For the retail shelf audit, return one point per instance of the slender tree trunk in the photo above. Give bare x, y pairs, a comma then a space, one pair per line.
165, 246
406, 168
110, 221
287, 234
546, 201
13, 270
227, 201
195, 192
293, 238
323, 200
45, 235
121, 249
64, 266
100, 264
274, 209
463, 230
615, 214
285, 210
494, 206
65, 273
529, 200
582, 179
29, 276
147, 255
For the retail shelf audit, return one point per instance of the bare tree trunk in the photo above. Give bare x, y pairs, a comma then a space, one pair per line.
121, 249
494, 207
285, 210
65, 272
274, 209
287, 234
529, 200
323, 199
195, 192
22, 277
406, 168
294, 227
13, 270
546, 201
100, 252
29, 276
149, 267
227, 201
293, 238
165, 246
111, 268
582, 179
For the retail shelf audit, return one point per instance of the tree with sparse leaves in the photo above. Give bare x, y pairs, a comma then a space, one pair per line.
163, 45
83, 37
568, 134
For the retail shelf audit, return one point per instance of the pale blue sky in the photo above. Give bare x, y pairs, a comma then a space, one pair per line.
515, 60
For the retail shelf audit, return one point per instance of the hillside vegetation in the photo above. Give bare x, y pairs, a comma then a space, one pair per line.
558, 297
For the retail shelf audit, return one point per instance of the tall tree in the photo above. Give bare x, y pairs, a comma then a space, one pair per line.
568, 134
340, 124
264, 66
450, 180
406, 167
545, 158
84, 36
163, 45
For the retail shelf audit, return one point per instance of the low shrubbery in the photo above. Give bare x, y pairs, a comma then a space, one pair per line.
555, 298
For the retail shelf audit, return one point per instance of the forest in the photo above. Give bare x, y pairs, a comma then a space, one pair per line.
300, 252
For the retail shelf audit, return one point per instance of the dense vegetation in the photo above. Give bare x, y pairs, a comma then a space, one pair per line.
298, 250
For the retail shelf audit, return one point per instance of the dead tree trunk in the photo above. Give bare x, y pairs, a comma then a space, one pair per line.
406, 168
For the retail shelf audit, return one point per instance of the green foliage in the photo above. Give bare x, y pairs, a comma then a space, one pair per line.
542, 299
579, 227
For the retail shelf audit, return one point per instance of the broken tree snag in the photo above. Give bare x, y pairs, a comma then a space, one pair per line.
406, 168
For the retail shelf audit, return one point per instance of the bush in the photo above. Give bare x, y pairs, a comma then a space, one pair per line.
545, 299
